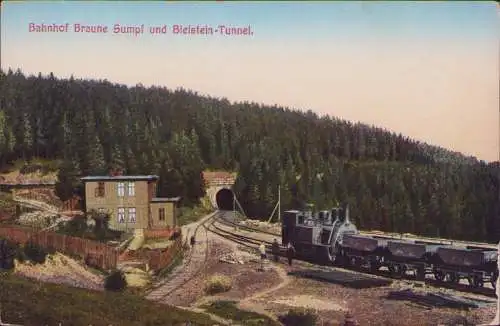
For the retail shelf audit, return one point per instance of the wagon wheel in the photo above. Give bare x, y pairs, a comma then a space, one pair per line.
439, 276
453, 278
391, 269
421, 274
355, 263
394, 269
402, 270
477, 281
374, 266
494, 280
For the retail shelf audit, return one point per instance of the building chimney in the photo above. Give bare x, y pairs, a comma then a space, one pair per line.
115, 172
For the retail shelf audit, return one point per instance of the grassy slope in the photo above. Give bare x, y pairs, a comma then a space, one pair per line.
228, 310
32, 303
37, 169
7, 207
190, 215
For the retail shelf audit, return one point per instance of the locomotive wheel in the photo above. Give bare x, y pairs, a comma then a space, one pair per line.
333, 256
439, 276
402, 270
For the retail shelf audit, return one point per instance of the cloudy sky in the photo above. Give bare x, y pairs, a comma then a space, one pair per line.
427, 70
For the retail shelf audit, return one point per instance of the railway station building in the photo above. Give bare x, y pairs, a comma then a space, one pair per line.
130, 202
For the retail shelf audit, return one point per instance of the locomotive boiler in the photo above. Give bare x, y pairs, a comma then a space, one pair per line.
317, 235
330, 237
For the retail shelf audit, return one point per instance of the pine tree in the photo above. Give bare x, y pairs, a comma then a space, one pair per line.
96, 157
66, 180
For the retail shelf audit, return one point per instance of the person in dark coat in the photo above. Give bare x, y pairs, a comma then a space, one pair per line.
193, 240
276, 250
290, 253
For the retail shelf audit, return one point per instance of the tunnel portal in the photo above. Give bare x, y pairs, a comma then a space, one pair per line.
224, 199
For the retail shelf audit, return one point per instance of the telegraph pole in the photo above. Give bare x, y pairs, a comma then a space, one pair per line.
279, 203
277, 207
234, 207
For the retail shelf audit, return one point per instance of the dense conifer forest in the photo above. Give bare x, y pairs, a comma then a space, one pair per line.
391, 182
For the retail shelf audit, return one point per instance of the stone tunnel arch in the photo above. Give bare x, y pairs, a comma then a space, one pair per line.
224, 199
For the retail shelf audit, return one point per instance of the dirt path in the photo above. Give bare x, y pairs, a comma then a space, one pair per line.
249, 303
285, 280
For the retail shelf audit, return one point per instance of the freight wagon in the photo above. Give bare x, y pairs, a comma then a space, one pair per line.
331, 237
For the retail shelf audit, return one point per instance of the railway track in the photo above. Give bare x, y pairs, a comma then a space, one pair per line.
242, 240
383, 234
193, 264
224, 227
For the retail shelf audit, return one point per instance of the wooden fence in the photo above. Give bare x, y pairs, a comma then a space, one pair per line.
156, 258
160, 233
159, 259
95, 253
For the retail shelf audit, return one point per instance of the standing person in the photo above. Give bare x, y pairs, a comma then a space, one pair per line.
290, 252
193, 240
262, 249
276, 250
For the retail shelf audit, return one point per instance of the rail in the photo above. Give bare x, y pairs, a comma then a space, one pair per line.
251, 229
189, 260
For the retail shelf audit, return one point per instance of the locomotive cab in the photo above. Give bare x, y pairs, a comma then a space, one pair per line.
339, 213
325, 218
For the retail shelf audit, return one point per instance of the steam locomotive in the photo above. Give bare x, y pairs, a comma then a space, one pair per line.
331, 237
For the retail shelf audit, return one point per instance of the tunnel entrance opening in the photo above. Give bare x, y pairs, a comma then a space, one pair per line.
224, 199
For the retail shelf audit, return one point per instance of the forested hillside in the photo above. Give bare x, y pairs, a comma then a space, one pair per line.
391, 182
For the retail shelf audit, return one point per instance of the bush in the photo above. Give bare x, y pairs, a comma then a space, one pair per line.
35, 253
218, 284
8, 252
299, 317
115, 281
76, 227
21, 256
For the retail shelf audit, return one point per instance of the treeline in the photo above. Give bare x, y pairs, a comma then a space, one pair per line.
391, 182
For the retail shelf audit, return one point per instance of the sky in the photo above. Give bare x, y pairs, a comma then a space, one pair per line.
427, 70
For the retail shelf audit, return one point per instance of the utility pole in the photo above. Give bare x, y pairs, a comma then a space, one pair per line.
234, 207
241, 208
277, 207
279, 203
